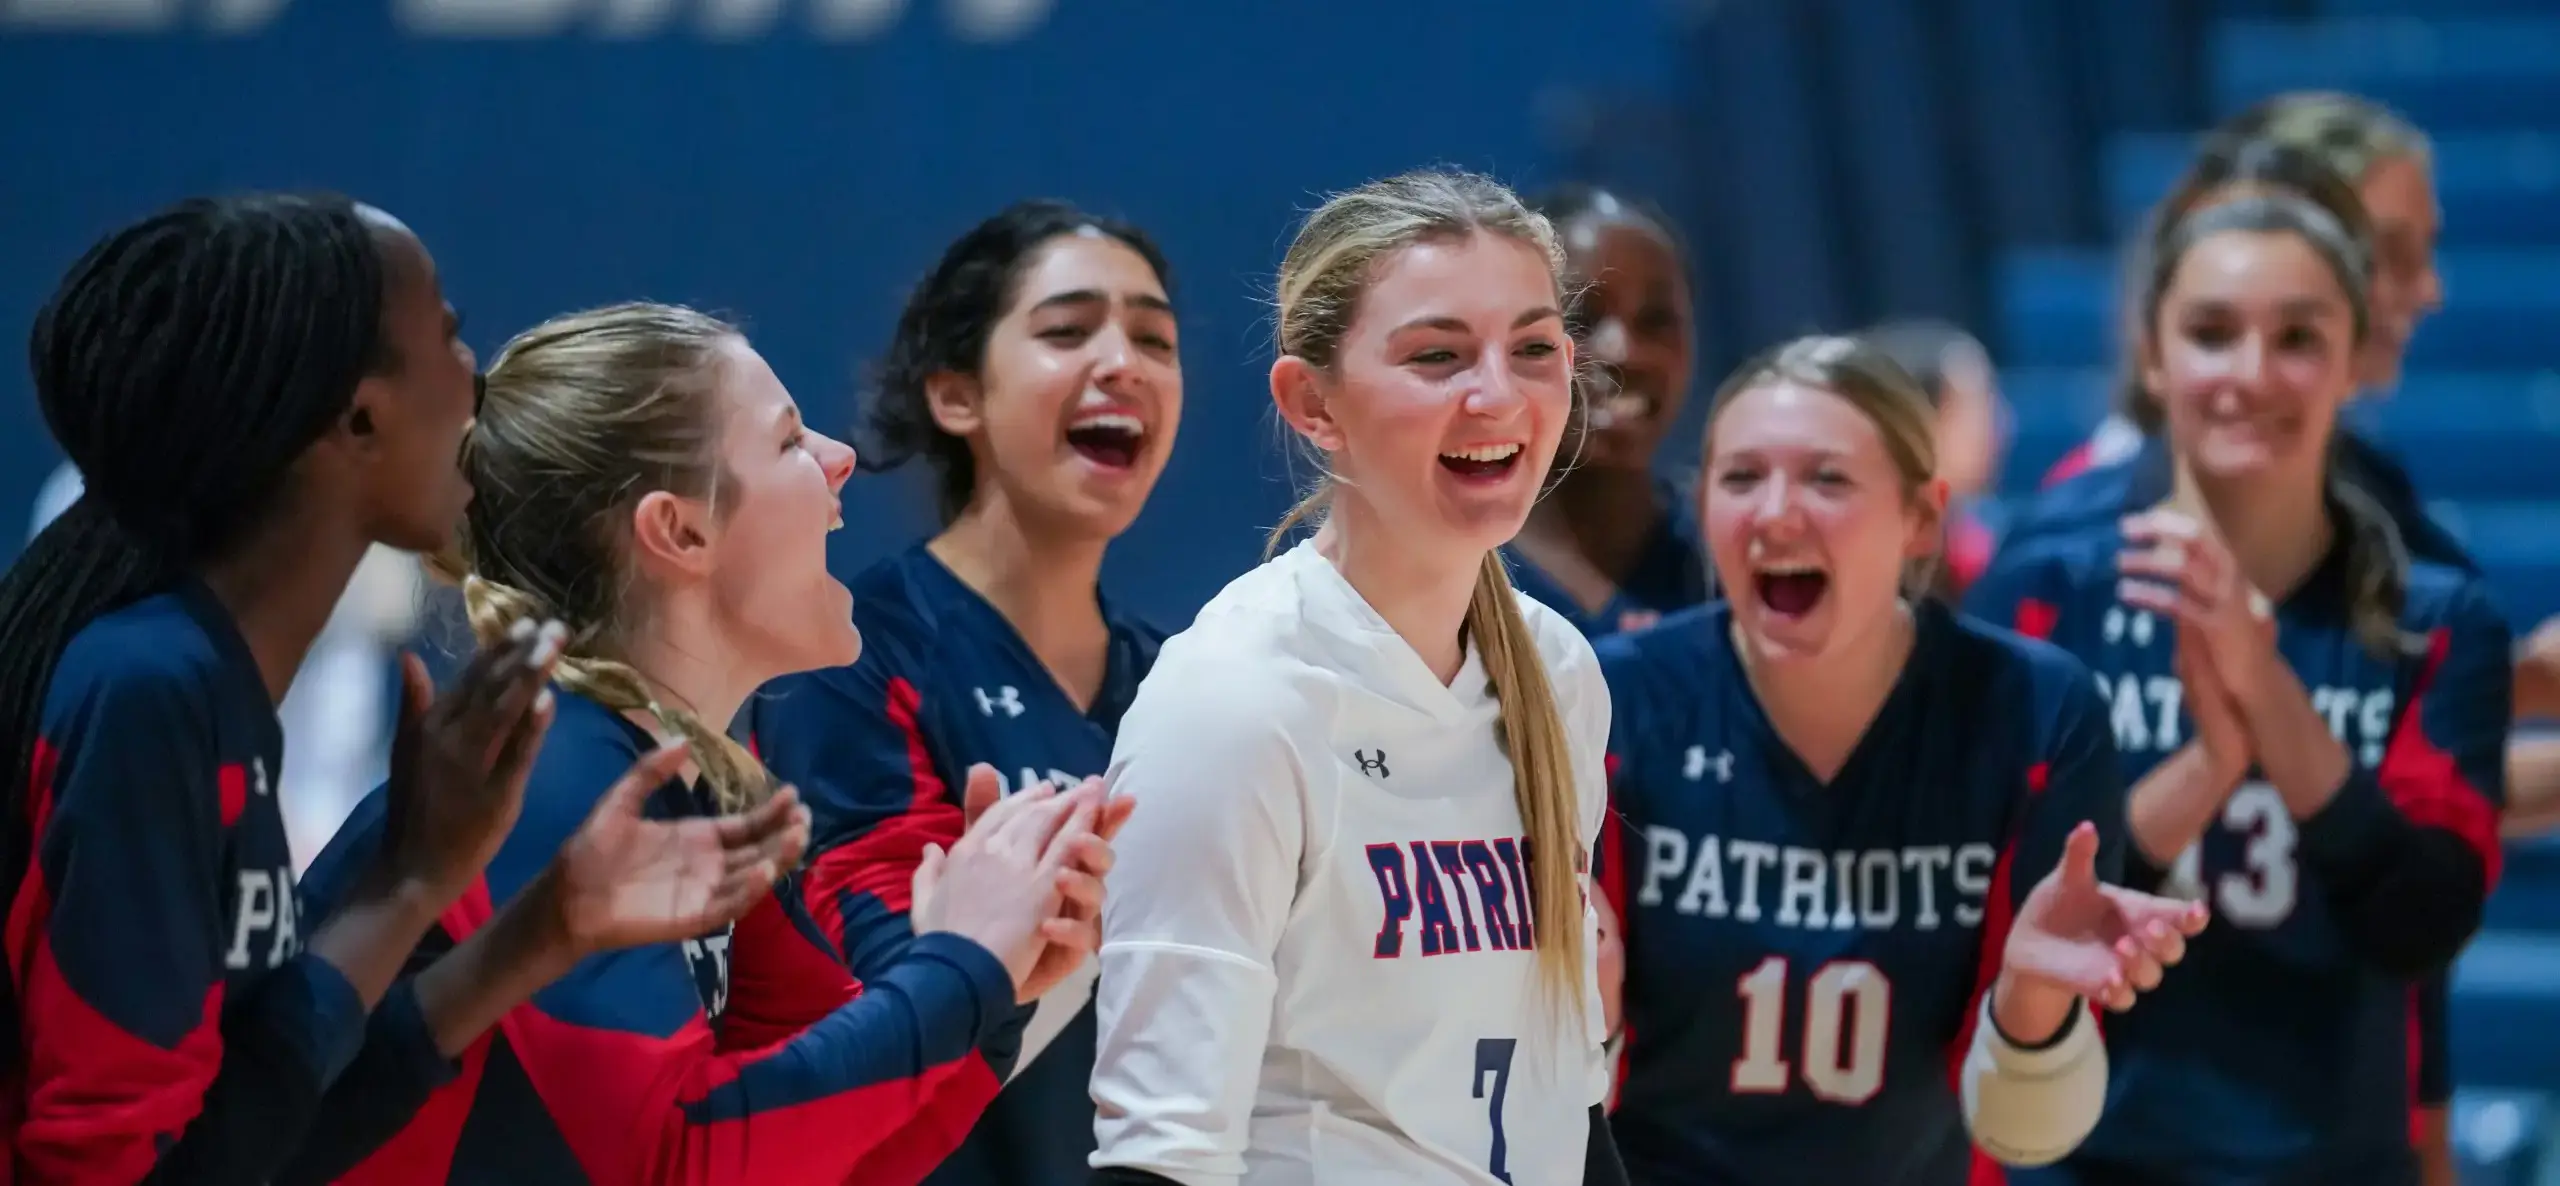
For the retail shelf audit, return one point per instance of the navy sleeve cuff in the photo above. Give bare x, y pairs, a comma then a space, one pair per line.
2345, 837
400, 1028
984, 996
308, 1005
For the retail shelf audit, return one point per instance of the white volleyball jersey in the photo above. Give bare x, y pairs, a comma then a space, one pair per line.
1316, 953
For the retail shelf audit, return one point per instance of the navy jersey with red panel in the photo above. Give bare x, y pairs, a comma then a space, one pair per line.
1670, 575
623, 1070
2281, 1051
1804, 961
172, 1027
881, 750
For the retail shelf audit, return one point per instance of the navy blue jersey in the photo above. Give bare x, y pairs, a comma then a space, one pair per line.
1805, 961
2281, 1051
173, 1027
623, 1070
881, 752
1670, 575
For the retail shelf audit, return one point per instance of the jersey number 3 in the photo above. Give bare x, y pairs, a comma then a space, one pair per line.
1842, 1063
2262, 892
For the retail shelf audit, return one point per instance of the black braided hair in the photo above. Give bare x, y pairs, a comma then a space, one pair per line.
183, 364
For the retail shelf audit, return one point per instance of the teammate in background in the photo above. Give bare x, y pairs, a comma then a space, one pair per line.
643, 476
1335, 951
1612, 547
258, 389
1970, 427
2337, 803
1879, 824
1035, 371
2371, 170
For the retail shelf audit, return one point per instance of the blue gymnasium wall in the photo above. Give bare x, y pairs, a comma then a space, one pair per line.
1833, 160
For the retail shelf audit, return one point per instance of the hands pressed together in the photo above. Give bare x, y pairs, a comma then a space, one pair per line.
1025, 879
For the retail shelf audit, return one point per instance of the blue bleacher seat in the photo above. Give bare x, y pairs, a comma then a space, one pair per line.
2507, 985
2446, 73
2495, 187
2501, 1138
2528, 896
2056, 308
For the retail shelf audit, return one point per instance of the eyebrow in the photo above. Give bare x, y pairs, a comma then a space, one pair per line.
1459, 325
1095, 296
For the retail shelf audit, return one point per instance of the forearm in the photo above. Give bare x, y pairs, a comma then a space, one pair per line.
2296, 750
2533, 787
369, 938
2172, 804
498, 968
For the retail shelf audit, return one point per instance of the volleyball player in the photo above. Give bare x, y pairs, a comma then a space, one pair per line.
257, 390
1336, 949
644, 477
1857, 828
1612, 547
2348, 705
1036, 373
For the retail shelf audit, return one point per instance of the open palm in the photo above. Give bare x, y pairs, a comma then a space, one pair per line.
625, 879
2098, 941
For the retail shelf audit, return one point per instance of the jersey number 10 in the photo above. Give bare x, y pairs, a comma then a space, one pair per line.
1849, 1074
2262, 892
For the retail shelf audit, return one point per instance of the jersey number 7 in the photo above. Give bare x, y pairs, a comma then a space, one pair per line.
1493, 1057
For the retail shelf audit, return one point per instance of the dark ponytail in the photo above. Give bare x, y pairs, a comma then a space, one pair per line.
183, 364
944, 328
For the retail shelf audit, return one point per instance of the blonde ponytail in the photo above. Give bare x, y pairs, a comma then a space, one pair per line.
737, 780
1532, 735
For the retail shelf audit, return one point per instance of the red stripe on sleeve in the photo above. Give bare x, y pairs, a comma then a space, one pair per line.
2425, 783
1998, 913
882, 861
2072, 465
92, 1103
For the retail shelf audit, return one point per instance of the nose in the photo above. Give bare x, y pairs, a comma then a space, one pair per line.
1114, 357
1774, 504
835, 459
2249, 360
1496, 394
1609, 341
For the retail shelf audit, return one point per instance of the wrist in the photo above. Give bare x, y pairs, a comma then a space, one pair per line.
402, 894
2029, 1015
540, 926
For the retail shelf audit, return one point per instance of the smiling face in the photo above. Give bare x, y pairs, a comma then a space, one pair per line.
1073, 410
1637, 327
777, 497
1448, 395
2253, 352
2400, 195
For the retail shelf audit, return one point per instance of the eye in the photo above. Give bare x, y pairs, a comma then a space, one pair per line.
1738, 479
1434, 356
1831, 477
1064, 335
2300, 337
798, 437
1538, 348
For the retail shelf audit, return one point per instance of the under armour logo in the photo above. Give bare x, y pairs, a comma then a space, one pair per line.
258, 776
1006, 698
1372, 764
2119, 625
1693, 765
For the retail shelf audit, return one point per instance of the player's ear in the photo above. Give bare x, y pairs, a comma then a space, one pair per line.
1303, 394
671, 534
1927, 514
956, 402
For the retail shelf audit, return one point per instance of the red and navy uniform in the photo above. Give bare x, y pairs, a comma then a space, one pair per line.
172, 1027
881, 750
2280, 1052
1805, 960
1670, 574
625, 1070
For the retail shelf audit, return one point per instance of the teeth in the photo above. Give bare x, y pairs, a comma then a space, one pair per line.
835, 522
1114, 421
1790, 570
1484, 453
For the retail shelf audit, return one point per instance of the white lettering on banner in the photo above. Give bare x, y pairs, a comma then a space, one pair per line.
710, 20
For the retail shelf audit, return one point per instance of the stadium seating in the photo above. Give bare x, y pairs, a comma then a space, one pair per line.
2477, 419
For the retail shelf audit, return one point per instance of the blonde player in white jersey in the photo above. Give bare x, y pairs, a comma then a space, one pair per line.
1348, 940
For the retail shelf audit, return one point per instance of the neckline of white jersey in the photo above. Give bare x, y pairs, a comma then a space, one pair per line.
1389, 657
